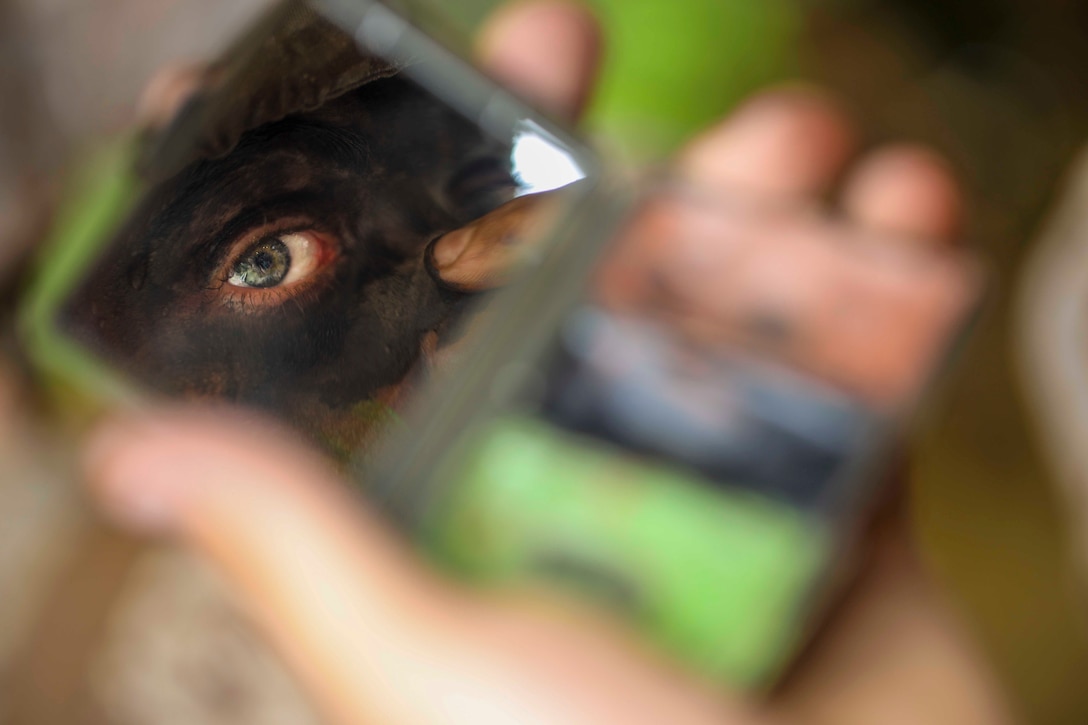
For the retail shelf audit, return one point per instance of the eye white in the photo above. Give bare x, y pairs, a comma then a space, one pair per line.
304, 255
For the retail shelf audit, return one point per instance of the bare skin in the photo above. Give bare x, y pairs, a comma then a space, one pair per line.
377, 637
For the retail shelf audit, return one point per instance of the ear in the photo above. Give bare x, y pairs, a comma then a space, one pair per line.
484, 254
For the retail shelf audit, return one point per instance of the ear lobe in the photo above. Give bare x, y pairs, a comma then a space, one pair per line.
484, 254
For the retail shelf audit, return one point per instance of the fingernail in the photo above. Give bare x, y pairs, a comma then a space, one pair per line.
448, 249
128, 481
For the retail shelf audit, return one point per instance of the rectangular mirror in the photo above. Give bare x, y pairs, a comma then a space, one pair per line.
278, 251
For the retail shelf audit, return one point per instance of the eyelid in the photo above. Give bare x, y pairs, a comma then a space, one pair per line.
233, 249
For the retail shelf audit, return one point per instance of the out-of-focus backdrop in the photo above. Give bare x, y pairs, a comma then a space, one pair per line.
996, 85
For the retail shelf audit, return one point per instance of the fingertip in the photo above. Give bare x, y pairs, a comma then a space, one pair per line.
569, 23
906, 189
547, 50
148, 471
810, 102
788, 141
482, 255
118, 464
448, 248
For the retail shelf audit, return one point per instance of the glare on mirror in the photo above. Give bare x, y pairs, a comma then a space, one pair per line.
541, 163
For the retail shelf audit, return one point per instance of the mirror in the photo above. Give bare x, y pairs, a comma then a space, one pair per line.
280, 256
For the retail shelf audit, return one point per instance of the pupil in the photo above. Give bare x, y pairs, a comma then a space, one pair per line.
265, 265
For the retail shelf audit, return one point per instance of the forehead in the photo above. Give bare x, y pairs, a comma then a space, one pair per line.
388, 126
301, 160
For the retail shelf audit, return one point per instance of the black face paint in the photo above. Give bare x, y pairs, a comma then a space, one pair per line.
290, 273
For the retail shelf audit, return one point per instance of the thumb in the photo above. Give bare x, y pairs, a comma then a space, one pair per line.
484, 254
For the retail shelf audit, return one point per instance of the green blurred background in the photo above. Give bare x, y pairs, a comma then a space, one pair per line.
996, 86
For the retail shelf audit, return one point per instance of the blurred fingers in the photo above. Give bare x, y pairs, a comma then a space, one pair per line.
907, 191
374, 636
790, 142
547, 50
327, 582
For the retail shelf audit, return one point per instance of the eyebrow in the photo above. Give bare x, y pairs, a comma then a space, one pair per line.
190, 188
309, 136
210, 245
343, 143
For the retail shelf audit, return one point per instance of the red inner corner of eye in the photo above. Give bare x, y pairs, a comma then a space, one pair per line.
327, 248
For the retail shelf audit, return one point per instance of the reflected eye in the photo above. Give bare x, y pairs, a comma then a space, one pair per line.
275, 260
